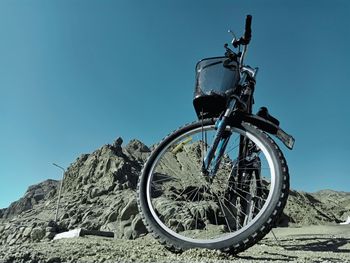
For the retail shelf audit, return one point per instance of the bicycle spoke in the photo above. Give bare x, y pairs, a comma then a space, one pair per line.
223, 211
208, 208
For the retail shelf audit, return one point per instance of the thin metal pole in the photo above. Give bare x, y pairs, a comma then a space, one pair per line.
277, 241
59, 191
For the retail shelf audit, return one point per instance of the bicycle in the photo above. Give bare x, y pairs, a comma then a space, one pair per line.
220, 182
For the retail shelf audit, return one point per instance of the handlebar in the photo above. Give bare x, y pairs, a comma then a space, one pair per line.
247, 34
248, 29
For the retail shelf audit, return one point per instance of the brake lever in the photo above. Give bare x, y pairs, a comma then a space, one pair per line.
234, 36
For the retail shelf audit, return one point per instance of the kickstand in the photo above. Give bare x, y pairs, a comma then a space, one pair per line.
277, 241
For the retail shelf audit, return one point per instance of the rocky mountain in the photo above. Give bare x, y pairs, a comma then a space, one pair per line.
33, 196
334, 200
99, 194
316, 208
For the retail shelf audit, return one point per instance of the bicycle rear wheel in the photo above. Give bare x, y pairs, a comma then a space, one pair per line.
231, 211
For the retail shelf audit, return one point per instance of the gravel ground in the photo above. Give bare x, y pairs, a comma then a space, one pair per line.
304, 244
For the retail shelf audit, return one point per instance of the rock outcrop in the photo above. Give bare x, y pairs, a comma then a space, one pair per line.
33, 196
316, 208
99, 194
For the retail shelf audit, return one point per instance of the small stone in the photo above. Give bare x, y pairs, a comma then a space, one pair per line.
129, 210
64, 216
117, 187
118, 142
12, 241
52, 223
126, 185
72, 212
50, 229
54, 260
37, 234
21, 230
83, 200
10, 237
138, 226
50, 235
95, 192
128, 233
112, 217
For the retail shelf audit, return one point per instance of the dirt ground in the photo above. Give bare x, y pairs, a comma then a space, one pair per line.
304, 244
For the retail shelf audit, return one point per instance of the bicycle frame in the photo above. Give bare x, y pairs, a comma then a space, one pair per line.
240, 109
236, 113
213, 158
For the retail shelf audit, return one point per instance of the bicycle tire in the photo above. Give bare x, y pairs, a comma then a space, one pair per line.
150, 198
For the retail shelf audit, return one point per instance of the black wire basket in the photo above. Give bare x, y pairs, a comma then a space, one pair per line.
214, 77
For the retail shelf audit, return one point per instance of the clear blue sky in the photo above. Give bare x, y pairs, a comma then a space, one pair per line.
76, 74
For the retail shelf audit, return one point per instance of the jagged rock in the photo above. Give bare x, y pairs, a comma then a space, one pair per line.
27, 231
50, 229
137, 150
37, 234
95, 192
118, 142
138, 227
2, 211
12, 238
49, 235
129, 210
112, 217
54, 260
135, 146
99, 194
34, 194
128, 233
121, 229
308, 209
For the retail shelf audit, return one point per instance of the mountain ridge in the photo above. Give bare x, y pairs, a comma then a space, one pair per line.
99, 194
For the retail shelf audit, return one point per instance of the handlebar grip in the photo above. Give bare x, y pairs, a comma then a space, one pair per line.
248, 29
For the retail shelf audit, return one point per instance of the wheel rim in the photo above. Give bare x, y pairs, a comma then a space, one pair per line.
194, 210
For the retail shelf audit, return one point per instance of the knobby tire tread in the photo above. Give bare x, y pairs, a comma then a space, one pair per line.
257, 235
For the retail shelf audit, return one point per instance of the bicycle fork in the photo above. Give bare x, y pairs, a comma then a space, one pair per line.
213, 157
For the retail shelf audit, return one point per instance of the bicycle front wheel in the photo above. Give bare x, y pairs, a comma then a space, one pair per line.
230, 211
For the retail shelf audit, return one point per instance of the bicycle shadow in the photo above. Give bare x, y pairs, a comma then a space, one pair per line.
270, 256
320, 244
312, 244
